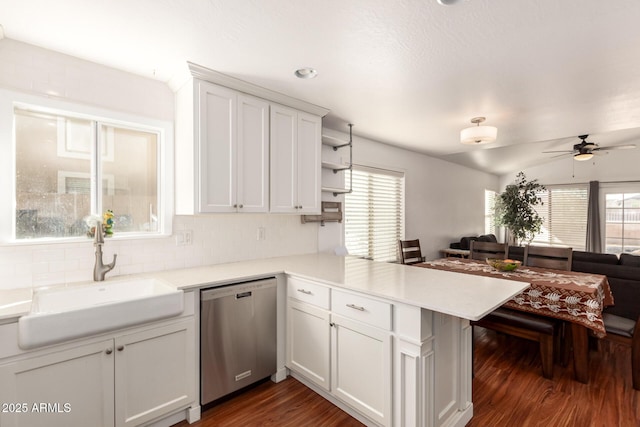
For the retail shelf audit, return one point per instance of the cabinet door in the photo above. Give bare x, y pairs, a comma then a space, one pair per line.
154, 372
361, 367
68, 388
283, 168
217, 146
253, 155
309, 164
308, 338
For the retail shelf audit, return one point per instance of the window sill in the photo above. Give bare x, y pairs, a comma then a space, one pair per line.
82, 239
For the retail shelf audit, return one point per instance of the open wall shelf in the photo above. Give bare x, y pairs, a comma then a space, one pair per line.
336, 144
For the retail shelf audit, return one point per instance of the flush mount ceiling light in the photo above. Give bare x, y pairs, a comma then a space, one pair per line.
582, 157
305, 73
448, 2
478, 134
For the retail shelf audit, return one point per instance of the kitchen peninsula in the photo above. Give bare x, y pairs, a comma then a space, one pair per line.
392, 342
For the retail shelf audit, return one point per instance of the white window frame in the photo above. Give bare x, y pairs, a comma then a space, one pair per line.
608, 188
400, 233
9, 100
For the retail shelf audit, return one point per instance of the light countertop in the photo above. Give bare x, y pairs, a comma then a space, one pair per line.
456, 294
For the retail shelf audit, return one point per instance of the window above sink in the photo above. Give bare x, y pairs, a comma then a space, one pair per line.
71, 162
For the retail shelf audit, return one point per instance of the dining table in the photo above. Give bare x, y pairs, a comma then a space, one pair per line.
574, 297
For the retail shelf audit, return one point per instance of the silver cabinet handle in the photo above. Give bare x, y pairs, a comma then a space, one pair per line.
355, 307
304, 291
109, 350
120, 347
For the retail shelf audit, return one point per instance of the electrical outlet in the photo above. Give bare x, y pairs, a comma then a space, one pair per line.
184, 237
261, 234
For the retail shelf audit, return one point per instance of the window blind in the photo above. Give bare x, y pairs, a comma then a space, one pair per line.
489, 213
564, 214
374, 213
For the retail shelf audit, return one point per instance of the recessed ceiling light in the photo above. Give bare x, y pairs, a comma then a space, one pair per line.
306, 73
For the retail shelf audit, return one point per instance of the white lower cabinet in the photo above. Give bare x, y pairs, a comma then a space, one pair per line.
347, 357
387, 363
361, 367
154, 372
68, 388
308, 337
125, 380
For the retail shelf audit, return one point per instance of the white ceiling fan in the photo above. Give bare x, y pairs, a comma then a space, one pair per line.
585, 149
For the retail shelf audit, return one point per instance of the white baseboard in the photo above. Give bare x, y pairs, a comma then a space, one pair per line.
280, 375
349, 410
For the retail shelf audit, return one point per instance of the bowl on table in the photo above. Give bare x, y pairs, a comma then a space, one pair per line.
504, 264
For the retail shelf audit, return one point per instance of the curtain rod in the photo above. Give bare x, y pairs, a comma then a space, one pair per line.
620, 182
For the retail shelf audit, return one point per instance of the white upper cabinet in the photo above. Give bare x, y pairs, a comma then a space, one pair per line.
253, 154
234, 147
223, 147
295, 161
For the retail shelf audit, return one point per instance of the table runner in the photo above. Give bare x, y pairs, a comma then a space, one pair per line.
567, 295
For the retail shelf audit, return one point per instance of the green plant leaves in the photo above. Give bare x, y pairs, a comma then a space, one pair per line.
514, 208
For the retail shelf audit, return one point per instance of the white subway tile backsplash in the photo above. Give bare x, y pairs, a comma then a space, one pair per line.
48, 255
15, 256
216, 239
79, 275
45, 279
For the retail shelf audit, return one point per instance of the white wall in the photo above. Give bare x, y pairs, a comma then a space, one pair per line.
443, 201
216, 238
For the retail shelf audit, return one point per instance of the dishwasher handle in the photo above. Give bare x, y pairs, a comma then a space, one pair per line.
237, 290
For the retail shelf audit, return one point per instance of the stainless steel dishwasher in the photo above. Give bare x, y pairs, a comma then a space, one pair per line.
237, 337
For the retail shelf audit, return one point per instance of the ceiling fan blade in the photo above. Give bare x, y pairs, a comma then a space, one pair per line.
616, 147
558, 151
566, 153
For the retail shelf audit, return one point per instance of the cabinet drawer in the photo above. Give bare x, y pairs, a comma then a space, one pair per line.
309, 292
375, 313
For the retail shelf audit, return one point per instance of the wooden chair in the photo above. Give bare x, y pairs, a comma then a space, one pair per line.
528, 326
548, 257
483, 250
626, 332
543, 330
410, 252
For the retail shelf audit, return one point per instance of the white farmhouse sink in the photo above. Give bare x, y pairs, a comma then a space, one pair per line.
61, 314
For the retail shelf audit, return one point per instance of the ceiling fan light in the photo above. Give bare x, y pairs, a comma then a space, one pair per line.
478, 135
582, 157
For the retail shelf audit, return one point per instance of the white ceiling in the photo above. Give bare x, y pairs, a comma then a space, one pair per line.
410, 73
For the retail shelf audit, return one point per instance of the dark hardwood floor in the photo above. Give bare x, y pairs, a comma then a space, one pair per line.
508, 390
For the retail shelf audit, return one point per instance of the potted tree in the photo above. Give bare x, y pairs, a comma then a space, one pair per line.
515, 209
